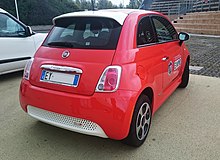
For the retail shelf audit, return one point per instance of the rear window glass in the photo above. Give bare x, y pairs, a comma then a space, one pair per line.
84, 33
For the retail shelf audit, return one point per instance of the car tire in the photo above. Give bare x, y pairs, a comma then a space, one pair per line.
140, 123
185, 76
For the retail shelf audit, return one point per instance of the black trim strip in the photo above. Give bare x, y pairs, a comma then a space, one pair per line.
14, 60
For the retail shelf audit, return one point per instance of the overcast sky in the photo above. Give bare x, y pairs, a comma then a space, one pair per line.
117, 2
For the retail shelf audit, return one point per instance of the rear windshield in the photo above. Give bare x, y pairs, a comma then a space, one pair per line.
84, 33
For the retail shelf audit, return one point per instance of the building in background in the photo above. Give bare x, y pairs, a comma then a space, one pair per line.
146, 4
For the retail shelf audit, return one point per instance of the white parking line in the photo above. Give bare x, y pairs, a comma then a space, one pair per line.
195, 68
204, 35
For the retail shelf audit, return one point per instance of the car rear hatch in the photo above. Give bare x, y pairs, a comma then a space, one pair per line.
75, 54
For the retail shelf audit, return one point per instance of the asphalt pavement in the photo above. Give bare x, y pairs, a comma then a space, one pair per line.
186, 127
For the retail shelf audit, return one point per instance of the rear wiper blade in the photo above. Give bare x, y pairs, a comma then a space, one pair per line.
61, 44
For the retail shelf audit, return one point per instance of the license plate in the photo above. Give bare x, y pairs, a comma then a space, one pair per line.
60, 78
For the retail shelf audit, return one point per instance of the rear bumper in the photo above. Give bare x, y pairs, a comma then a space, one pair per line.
66, 122
111, 113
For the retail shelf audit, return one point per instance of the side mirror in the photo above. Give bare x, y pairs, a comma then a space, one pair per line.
183, 37
29, 31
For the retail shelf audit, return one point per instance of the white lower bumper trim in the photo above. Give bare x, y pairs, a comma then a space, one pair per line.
67, 122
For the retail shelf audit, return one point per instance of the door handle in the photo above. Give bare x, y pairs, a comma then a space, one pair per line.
165, 58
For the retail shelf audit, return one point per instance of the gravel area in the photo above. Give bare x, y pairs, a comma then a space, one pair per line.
205, 52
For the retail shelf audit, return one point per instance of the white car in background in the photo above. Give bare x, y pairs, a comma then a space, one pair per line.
17, 43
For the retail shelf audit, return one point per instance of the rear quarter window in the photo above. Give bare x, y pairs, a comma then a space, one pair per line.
85, 33
164, 29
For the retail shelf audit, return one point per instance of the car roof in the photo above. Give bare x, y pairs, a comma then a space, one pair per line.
117, 14
2, 11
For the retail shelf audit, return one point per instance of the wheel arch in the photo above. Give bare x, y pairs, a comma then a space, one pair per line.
148, 92
188, 58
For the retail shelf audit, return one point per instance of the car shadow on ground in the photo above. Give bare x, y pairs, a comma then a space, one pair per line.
51, 136
11, 76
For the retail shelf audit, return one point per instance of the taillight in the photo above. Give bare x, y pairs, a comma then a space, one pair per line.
109, 80
27, 69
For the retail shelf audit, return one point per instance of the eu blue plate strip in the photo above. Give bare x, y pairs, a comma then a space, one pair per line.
75, 81
43, 75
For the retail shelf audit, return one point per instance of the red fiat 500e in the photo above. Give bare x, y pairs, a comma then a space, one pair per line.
105, 73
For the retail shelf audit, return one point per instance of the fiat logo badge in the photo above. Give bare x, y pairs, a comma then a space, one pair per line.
65, 54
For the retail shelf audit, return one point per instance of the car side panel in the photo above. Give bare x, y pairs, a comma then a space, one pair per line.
12, 49
38, 39
171, 68
141, 67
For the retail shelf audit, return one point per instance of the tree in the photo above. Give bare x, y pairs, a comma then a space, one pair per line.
134, 4
121, 5
105, 4
41, 12
8, 5
35, 12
